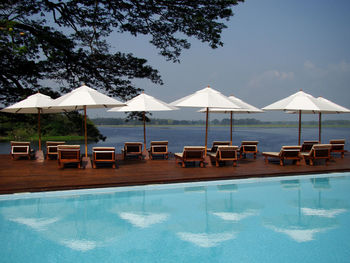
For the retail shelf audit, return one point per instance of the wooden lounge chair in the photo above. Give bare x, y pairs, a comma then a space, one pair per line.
286, 153
21, 149
250, 147
103, 155
158, 148
224, 153
338, 146
318, 152
191, 154
51, 149
68, 154
307, 145
214, 148
132, 150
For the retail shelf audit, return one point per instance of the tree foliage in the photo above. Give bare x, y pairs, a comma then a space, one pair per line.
62, 44
24, 126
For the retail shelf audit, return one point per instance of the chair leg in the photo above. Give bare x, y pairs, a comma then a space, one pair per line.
234, 163
281, 162
266, 160
216, 163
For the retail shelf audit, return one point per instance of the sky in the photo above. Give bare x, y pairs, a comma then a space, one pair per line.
272, 49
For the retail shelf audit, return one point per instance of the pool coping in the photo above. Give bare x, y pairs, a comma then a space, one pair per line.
111, 190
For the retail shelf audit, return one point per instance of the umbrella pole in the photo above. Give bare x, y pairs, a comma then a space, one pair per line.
85, 131
231, 128
39, 129
144, 129
206, 132
299, 127
319, 127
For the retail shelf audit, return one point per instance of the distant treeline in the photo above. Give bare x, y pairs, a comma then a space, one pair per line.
243, 122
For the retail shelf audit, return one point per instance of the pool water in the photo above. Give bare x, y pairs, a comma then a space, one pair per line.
285, 219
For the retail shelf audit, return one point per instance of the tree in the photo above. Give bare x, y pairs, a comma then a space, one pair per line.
62, 44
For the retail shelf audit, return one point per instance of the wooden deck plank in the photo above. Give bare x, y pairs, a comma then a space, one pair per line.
31, 176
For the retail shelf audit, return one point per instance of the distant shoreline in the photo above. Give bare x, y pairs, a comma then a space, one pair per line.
235, 126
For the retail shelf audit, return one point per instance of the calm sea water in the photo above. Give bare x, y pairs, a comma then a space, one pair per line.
270, 139
290, 219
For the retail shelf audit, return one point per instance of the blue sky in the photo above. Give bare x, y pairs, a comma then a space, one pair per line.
272, 49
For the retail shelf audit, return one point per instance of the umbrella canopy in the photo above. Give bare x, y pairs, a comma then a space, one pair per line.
298, 102
208, 98
35, 104
244, 107
326, 107
143, 103
82, 98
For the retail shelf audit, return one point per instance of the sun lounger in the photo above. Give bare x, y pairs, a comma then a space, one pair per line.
191, 154
51, 149
307, 145
158, 148
318, 152
286, 153
132, 150
250, 147
224, 153
21, 149
103, 155
338, 146
68, 154
216, 144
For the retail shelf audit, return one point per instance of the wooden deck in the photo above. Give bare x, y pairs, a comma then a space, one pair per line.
32, 176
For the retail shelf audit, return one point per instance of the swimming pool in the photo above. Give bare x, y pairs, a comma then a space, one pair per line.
285, 219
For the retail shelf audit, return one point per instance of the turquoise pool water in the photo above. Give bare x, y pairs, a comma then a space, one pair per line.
286, 219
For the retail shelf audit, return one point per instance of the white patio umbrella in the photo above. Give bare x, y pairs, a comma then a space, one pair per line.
34, 104
243, 108
207, 98
327, 107
82, 98
143, 103
298, 102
